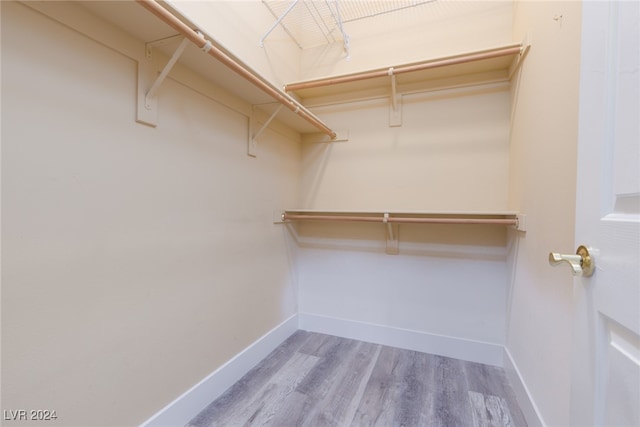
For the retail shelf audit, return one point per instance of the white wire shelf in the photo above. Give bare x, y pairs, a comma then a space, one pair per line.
311, 23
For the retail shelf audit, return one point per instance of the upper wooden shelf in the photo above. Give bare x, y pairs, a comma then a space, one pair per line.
495, 64
250, 87
101, 20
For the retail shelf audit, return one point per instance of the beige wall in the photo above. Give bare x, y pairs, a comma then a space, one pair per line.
451, 153
136, 260
542, 185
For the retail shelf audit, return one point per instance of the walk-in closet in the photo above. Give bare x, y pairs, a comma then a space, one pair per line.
320, 212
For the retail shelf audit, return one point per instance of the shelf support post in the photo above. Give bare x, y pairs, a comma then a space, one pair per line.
394, 101
345, 37
395, 110
524, 50
521, 224
392, 247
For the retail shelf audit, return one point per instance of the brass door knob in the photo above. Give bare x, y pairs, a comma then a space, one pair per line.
581, 264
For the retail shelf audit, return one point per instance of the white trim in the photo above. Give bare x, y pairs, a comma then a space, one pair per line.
525, 400
458, 348
194, 400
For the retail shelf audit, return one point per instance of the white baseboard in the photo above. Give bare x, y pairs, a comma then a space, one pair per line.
184, 408
526, 402
472, 351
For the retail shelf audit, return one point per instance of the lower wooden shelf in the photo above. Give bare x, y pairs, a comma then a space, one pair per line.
392, 219
407, 217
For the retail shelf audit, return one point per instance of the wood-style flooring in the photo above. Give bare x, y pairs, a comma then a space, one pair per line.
321, 380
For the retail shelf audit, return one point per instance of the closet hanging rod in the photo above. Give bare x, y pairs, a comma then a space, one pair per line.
392, 71
400, 220
208, 47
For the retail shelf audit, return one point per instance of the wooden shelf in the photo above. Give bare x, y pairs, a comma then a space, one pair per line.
141, 25
393, 219
488, 65
399, 217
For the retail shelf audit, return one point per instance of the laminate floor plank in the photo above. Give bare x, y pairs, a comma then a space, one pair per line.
261, 409
305, 400
417, 390
491, 380
366, 377
451, 405
317, 380
332, 352
319, 344
333, 407
377, 404
235, 397
489, 411
331, 385
294, 413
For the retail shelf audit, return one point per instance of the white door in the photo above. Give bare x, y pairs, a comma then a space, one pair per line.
605, 381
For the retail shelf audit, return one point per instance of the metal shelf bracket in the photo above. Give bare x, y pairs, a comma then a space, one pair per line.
147, 99
278, 21
524, 51
395, 109
392, 247
253, 137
